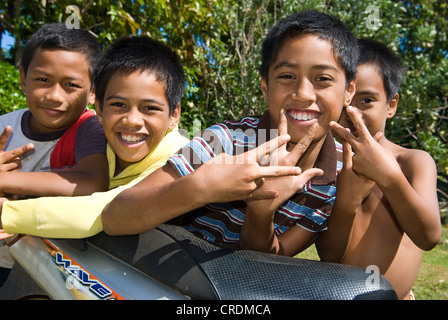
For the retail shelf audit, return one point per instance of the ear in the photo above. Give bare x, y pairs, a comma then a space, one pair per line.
349, 93
264, 87
174, 118
392, 106
99, 112
92, 96
22, 79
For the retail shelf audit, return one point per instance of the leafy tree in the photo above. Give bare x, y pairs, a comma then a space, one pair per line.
11, 96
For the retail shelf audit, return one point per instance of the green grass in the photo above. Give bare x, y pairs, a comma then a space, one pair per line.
432, 279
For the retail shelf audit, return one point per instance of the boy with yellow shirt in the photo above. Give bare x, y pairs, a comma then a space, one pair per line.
139, 85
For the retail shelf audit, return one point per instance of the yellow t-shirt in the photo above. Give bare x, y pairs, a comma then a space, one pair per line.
80, 217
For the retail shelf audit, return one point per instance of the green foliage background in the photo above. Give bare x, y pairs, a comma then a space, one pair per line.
220, 43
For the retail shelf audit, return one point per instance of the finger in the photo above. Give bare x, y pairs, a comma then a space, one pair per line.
4, 137
264, 153
347, 157
18, 152
307, 175
301, 147
378, 136
263, 195
342, 133
266, 148
279, 171
282, 123
259, 182
10, 166
357, 122
4, 235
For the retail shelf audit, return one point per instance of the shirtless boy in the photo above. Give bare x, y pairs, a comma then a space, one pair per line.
386, 210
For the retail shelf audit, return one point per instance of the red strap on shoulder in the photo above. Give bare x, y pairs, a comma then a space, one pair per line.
63, 154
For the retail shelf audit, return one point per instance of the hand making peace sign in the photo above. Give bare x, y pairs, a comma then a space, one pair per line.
257, 232
286, 185
370, 159
10, 160
245, 176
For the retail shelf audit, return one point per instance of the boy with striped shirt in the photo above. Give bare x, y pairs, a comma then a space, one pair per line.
222, 222
233, 189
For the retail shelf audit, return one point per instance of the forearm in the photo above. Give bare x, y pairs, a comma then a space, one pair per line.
73, 183
257, 233
332, 244
163, 196
150, 203
418, 217
352, 191
56, 217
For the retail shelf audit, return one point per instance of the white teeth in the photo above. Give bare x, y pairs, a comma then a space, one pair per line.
132, 138
304, 116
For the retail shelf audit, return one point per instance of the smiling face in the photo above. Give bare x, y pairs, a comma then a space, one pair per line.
135, 116
371, 101
307, 82
57, 88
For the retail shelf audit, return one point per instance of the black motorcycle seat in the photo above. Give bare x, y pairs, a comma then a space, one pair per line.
201, 270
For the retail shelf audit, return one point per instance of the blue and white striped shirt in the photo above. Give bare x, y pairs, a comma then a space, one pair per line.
221, 223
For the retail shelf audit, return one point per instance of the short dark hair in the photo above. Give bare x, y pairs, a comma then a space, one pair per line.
321, 25
131, 54
58, 36
386, 61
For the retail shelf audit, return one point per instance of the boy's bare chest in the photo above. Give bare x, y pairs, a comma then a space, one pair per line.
375, 218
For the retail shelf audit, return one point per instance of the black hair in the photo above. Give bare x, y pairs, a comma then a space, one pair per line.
58, 36
321, 25
386, 61
131, 54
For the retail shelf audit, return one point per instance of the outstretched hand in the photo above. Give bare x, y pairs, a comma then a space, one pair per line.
4, 235
239, 177
286, 185
370, 159
10, 160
